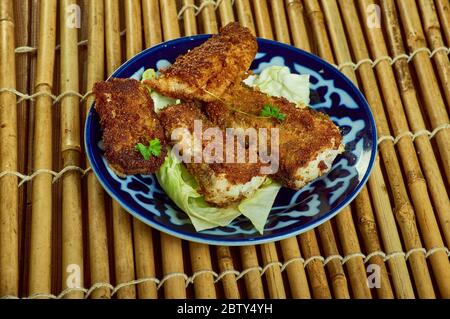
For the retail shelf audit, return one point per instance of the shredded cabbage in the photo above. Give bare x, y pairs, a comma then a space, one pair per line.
280, 82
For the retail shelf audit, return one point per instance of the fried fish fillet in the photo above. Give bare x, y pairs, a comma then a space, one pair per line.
308, 140
220, 183
206, 71
127, 118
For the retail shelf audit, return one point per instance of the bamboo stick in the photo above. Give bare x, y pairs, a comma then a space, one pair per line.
133, 24
144, 259
201, 260
273, 273
268, 251
72, 229
350, 246
249, 257
297, 24
123, 251
22, 22
98, 241
225, 259
171, 29
355, 265
208, 15
279, 21
443, 8
172, 253
200, 255
190, 25
83, 34
328, 241
434, 103
245, 16
122, 233
143, 242
9, 243
172, 262
334, 267
152, 22
226, 12
112, 36
425, 150
295, 270
57, 236
368, 230
229, 283
404, 212
253, 283
318, 28
433, 32
387, 223
262, 18
34, 39
41, 219
315, 269
416, 182
338, 38
389, 233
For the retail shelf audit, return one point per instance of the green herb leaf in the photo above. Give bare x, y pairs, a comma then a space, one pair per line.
153, 149
272, 111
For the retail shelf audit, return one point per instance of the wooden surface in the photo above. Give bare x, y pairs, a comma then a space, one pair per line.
61, 236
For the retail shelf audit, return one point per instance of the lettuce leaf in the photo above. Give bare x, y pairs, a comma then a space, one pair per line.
159, 100
280, 82
149, 74
181, 187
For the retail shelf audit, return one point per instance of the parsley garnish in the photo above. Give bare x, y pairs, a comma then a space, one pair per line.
272, 111
153, 149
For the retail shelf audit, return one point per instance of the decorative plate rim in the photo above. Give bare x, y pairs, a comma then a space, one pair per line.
361, 101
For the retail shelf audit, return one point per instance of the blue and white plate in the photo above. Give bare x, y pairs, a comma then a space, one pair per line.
293, 212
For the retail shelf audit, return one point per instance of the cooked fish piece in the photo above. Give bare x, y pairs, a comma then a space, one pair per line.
127, 118
220, 183
308, 140
206, 71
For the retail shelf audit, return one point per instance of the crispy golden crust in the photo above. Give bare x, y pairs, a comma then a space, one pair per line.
302, 135
183, 116
211, 67
127, 118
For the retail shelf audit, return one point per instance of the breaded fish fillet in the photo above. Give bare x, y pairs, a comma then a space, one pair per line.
308, 140
210, 67
127, 118
220, 183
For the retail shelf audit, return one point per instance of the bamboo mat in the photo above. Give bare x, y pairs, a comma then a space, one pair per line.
61, 236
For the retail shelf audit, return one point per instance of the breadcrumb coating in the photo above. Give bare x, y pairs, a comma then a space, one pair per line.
127, 118
210, 67
303, 135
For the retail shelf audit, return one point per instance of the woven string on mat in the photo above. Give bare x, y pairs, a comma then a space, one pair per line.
238, 275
